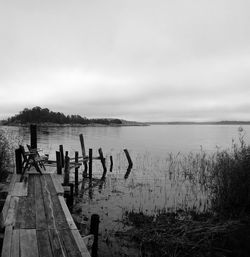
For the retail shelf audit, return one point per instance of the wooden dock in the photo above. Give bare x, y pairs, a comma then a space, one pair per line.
37, 220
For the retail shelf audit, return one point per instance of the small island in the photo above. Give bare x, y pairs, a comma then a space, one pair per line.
43, 116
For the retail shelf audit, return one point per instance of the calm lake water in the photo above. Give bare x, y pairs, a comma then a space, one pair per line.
158, 140
151, 185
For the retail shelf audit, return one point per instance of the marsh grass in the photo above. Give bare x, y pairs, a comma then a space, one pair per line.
222, 228
5, 156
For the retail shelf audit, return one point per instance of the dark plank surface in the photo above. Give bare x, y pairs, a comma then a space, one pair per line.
20, 222
69, 243
43, 242
41, 222
56, 244
48, 207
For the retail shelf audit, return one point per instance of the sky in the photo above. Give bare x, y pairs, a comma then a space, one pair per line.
169, 60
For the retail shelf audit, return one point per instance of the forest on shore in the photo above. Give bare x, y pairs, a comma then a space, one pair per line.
44, 115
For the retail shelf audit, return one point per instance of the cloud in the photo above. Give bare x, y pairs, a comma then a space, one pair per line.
142, 60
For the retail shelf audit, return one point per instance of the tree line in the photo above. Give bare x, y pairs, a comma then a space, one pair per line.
43, 115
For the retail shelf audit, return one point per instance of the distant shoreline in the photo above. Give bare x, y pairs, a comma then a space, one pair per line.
75, 125
201, 123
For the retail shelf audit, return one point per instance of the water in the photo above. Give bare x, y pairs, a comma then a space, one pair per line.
158, 140
150, 187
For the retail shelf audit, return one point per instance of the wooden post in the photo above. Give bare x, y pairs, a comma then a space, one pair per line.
103, 163
70, 197
58, 163
84, 174
130, 163
76, 173
66, 170
33, 136
111, 164
82, 145
62, 155
90, 163
18, 157
94, 227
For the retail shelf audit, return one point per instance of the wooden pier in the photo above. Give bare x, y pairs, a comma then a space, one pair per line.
37, 220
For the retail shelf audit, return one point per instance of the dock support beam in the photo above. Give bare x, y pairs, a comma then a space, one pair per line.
33, 136
18, 157
94, 227
62, 155
90, 163
76, 173
58, 163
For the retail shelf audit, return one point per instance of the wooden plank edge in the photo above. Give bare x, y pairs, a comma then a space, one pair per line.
57, 184
6, 249
67, 213
80, 243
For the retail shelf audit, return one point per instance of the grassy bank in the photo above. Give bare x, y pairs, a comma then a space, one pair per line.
222, 229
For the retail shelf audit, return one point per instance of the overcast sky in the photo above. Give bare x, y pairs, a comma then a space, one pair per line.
134, 59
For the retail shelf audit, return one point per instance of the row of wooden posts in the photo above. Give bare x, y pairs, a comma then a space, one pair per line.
63, 161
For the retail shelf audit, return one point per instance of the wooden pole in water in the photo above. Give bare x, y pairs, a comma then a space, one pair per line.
82, 145
76, 173
33, 136
58, 163
103, 163
18, 157
90, 163
66, 170
130, 163
111, 164
94, 227
62, 155
84, 174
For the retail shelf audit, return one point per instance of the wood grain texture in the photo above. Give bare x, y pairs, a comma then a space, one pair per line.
57, 183
20, 189
80, 244
15, 246
6, 250
12, 212
41, 221
43, 242
67, 214
56, 244
28, 243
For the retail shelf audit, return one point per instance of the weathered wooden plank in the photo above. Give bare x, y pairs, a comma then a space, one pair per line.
48, 207
6, 250
80, 243
5, 210
69, 244
43, 242
56, 244
55, 207
28, 243
50, 184
61, 221
20, 221
30, 205
31, 186
20, 189
15, 246
66, 211
57, 183
15, 178
41, 221
30, 213
12, 211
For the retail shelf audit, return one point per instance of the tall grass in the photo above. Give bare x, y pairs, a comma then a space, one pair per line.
5, 156
230, 180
